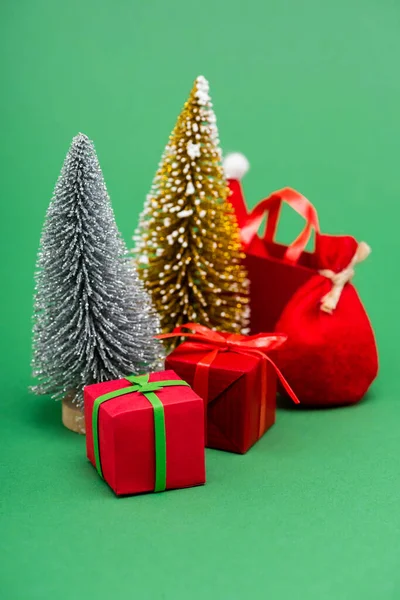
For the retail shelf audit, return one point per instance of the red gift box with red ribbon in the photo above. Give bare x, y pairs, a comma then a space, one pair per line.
235, 377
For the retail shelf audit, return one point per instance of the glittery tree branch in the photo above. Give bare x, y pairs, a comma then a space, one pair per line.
187, 243
93, 320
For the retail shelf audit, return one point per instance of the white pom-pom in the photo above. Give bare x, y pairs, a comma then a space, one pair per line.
235, 165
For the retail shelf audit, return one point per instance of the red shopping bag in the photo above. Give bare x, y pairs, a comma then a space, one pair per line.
330, 357
275, 271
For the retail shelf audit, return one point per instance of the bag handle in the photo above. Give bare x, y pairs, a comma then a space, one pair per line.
272, 207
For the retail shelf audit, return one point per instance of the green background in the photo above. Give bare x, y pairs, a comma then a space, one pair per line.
310, 92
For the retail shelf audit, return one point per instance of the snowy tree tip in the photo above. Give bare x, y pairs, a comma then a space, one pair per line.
81, 137
235, 166
202, 83
202, 91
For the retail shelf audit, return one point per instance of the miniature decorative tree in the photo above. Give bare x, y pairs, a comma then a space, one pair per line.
188, 245
93, 320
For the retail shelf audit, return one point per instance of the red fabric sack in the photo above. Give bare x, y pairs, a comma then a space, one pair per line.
330, 357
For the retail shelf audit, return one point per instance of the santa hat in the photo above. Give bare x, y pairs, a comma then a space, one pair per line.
236, 166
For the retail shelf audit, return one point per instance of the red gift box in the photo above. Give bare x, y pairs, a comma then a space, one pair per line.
146, 433
236, 379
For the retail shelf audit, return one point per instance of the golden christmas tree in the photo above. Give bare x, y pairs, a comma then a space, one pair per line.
188, 245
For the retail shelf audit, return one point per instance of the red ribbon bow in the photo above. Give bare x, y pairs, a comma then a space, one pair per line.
253, 345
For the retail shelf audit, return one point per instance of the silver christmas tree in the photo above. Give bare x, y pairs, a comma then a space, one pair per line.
93, 320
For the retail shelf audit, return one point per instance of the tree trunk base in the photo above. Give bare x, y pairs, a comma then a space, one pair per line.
72, 416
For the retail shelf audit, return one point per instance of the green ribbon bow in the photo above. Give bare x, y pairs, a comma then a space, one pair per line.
142, 385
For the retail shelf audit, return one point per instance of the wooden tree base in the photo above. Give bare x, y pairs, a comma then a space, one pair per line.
72, 416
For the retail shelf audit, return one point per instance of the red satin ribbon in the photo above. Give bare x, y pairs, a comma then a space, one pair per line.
253, 345
272, 206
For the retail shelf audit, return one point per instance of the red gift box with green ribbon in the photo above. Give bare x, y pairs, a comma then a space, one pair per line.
145, 433
236, 378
